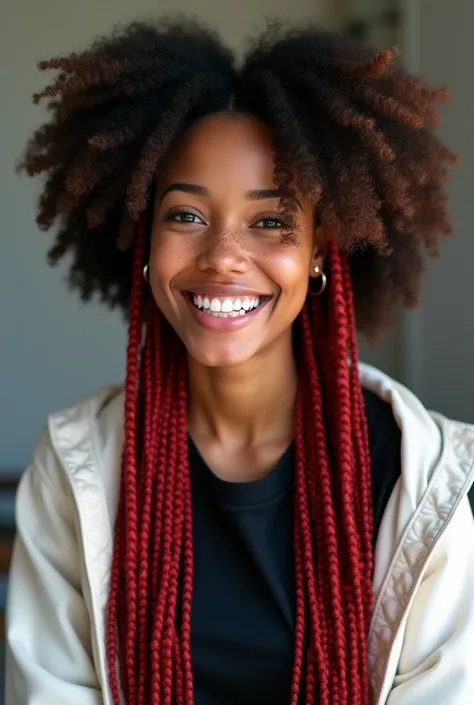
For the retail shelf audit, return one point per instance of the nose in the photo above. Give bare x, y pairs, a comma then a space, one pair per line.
222, 254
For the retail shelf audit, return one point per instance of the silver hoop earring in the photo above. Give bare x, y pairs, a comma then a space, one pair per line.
146, 273
318, 274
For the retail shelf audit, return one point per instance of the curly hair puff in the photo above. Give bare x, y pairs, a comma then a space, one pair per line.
356, 127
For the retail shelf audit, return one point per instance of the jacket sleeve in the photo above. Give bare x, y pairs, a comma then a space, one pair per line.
48, 652
437, 660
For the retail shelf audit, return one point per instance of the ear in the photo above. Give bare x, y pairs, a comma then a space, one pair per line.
318, 257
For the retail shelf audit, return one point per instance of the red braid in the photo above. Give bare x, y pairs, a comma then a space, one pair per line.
361, 444
153, 553
125, 562
318, 482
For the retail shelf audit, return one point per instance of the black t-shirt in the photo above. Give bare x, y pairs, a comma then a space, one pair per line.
243, 601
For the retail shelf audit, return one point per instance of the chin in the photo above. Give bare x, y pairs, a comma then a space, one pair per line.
217, 356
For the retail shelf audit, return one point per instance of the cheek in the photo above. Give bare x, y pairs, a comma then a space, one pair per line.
167, 258
290, 271
169, 255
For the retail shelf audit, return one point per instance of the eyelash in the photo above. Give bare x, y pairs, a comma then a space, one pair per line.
265, 217
282, 224
175, 213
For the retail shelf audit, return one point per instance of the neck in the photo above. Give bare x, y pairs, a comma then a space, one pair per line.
247, 404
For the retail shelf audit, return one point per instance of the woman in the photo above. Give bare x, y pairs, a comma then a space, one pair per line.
289, 526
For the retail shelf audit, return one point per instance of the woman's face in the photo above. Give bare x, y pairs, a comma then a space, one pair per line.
219, 270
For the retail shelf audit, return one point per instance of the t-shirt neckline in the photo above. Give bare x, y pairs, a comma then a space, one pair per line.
278, 480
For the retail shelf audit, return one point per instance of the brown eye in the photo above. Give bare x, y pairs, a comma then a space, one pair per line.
271, 222
183, 216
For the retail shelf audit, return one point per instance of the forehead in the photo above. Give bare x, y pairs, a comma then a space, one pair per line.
224, 149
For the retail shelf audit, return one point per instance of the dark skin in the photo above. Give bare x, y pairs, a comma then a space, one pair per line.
217, 232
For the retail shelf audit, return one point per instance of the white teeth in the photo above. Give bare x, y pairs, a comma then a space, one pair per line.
227, 306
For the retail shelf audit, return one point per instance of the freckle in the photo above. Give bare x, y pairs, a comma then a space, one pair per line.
234, 235
291, 240
223, 238
230, 236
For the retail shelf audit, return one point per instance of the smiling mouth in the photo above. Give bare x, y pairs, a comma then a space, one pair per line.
226, 307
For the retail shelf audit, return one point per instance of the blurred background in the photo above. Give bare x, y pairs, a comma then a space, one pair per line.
54, 350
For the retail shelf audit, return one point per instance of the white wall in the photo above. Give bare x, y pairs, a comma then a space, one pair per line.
54, 350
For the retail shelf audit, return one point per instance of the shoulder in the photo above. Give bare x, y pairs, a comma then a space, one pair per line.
430, 495
82, 441
428, 440
402, 402
89, 410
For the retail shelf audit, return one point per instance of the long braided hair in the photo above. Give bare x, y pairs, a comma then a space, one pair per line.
357, 132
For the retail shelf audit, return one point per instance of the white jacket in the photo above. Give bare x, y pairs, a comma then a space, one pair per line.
421, 644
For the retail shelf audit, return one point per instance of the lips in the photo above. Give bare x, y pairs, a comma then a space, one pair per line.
220, 291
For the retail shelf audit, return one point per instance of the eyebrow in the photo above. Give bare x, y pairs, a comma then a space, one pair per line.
263, 194
254, 195
187, 188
